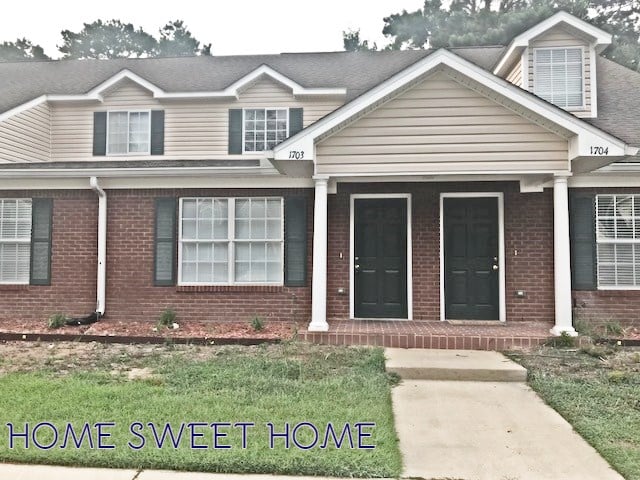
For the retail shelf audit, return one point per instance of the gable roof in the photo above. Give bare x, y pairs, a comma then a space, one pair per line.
581, 134
357, 72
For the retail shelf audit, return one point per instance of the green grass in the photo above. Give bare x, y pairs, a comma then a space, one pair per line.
279, 384
599, 395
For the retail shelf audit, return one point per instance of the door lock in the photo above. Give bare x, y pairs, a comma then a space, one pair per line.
356, 267
495, 267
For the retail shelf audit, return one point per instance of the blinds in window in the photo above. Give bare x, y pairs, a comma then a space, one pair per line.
558, 76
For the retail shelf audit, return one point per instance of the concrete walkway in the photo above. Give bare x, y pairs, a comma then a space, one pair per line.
477, 430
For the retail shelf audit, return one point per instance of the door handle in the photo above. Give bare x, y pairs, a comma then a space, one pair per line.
356, 267
495, 267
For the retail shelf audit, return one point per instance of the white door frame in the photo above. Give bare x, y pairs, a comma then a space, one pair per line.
353, 197
501, 256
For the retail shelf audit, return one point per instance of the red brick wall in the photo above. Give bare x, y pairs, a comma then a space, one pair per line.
73, 263
130, 291
601, 306
528, 229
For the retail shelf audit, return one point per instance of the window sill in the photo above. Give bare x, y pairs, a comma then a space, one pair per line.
13, 287
230, 288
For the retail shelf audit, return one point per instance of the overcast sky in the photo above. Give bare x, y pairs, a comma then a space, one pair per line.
232, 26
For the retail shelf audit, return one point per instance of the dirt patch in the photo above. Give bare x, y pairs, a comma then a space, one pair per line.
186, 329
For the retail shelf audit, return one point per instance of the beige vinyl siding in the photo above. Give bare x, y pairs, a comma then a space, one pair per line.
25, 137
515, 75
558, 37
194, 129
440, 126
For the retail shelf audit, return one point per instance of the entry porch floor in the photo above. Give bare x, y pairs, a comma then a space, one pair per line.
431, 334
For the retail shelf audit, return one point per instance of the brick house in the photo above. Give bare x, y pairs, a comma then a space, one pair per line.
493, 184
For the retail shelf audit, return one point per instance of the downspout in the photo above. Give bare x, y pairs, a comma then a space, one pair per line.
102, 246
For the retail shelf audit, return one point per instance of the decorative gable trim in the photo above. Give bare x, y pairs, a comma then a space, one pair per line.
233, 91
583, 135
600, 38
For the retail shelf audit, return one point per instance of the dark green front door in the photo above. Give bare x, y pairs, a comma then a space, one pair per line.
380, 258
471, 258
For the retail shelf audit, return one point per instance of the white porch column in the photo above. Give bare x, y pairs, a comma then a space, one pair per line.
319, 277
561, 258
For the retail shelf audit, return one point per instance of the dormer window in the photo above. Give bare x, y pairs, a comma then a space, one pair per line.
558, 76
264, 128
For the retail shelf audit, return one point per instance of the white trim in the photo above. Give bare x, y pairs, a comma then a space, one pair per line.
524, 62
232, 91
593, 78
588, 135
578, 108
601, 38
352, 199
231, 241
502, 301
127, 153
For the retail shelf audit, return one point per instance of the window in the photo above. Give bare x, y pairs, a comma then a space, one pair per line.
231, 241
15, 240
128, 132
618, 240
558, 76
264, 128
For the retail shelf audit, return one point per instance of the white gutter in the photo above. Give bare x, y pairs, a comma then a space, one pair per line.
138, 172
102, 246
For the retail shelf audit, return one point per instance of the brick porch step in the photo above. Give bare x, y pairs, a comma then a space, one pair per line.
462, 365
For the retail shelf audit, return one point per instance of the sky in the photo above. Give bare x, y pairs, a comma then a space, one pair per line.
233, 27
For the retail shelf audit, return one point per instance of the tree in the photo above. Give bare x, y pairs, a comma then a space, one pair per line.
177, 41
474, 22
110, 39
352, 43
21, 50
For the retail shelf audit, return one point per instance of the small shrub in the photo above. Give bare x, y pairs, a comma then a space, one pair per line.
257, 323
613, 328
618, 376
57, 320
563, 341
167, 317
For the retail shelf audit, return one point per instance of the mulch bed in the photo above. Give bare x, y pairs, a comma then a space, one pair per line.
148, 332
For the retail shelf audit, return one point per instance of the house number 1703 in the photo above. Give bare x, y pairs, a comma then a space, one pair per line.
296, 154
599, 150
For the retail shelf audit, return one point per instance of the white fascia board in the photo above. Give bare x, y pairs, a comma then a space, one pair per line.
232, 91
600, 37
588, 135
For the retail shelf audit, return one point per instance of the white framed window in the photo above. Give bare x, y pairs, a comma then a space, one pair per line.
128, 133
15, 240
231, 241
264, 128
618, 241
558, 76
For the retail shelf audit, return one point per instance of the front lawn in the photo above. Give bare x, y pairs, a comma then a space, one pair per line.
597, 390
138, 385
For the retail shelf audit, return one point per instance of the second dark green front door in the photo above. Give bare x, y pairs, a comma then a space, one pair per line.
380, 258
471, 258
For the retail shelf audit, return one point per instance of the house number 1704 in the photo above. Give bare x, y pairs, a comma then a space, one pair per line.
599, 150
296, 154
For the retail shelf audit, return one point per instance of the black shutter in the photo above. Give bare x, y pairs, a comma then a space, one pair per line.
41, 225
583, 242
164, 265
295, 241
235, 131
295, 121
157, 132
99, 133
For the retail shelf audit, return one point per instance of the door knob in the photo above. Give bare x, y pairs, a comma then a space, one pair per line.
495, 267
356, 267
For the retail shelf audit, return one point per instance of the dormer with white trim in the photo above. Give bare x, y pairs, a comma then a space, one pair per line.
556, 60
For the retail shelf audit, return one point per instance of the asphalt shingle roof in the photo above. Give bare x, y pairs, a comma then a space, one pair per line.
618, 87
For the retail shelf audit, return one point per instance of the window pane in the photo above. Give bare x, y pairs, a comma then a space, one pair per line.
264, 128
558, 76
15, 233
118, 132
